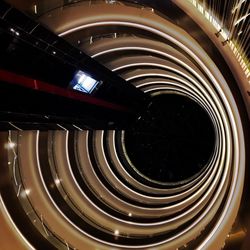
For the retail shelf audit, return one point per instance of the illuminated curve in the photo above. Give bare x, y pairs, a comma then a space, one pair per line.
80, 189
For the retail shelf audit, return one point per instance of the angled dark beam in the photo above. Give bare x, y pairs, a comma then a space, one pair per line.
24, 30
37, 85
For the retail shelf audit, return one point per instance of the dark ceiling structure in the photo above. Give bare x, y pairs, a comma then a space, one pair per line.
155, 156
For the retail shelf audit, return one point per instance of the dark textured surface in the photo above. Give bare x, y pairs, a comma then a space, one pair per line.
172, 141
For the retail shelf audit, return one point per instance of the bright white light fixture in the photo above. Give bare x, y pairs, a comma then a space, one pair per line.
57, 181
10, 145
83, 82
27, 191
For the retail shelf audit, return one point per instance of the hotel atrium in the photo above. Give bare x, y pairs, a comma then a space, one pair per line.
124, 124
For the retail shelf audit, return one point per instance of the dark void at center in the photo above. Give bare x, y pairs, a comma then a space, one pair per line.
172, 140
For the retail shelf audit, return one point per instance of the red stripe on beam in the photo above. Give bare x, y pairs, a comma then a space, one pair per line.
38, 85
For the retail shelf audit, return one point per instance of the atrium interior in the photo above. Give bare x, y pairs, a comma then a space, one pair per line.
125, 124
